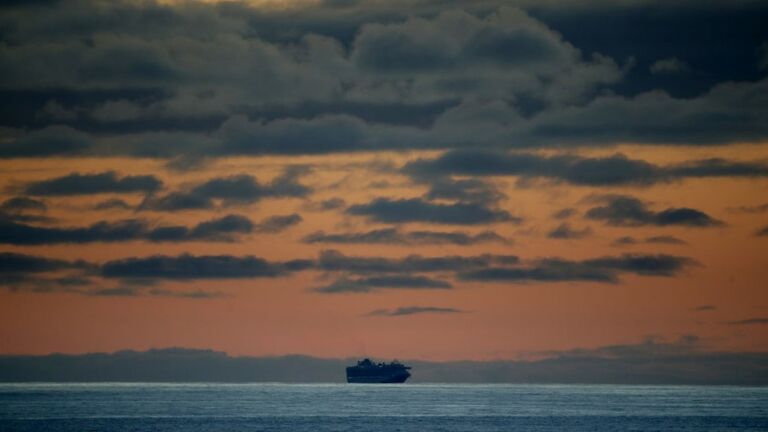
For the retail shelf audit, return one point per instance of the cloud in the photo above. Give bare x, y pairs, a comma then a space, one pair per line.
705, 308
133, 291
417, 210
464, 190
111, 79
23, 209
176, 201
761, 208
40, 274
112, 204
665, 239
564, 213
613, 170
276, 224
325, 205
233, 190
605, 269
23, 204
750, 321
565, 231
15, 263
331, 260
762, 232
395, 236
670, 65
662, 239
22, 234
224, 229
624, 210
414, 310
377, 283
189, 267
89, 184
52, 140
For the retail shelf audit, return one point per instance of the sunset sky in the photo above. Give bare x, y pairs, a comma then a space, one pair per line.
427, 179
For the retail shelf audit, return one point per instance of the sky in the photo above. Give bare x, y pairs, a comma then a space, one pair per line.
432, 179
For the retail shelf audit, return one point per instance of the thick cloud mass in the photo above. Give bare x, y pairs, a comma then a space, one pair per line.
203, 80
613, 170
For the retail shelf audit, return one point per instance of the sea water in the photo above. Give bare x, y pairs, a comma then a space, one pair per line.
398, 407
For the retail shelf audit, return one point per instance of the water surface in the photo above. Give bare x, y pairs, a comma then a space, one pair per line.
408, 407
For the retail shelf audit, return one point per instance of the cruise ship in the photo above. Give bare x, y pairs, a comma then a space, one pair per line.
368, 372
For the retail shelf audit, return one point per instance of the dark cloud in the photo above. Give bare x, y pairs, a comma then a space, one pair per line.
54, 140
331, 260
606, 269
176, 201
750, 321
21, 272
565, 231
663, 239
417, 210
625, 241
233, 190
134, 291
112, 204
590, 171
670, 65
564, 213
23, 209
276, 224
762, 208
329, 204
377, 283
14, 263
88, 184
226, 229
705, 308
414, 310
22, 204
464, 190
624, 210
23, 234
183, 267
762, 232
395, 236
246, 189
113, 79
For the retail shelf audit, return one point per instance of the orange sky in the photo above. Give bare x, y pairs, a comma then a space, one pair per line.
500, 320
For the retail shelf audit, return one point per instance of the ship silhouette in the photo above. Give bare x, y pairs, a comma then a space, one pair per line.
368, 372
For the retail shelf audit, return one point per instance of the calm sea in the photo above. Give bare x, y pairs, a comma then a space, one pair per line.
408, 407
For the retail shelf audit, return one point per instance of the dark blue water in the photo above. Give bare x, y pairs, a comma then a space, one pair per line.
409, 407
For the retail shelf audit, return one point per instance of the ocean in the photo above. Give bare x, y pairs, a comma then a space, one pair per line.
119, 407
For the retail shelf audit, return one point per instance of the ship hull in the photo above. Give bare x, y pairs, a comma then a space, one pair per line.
379, 379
